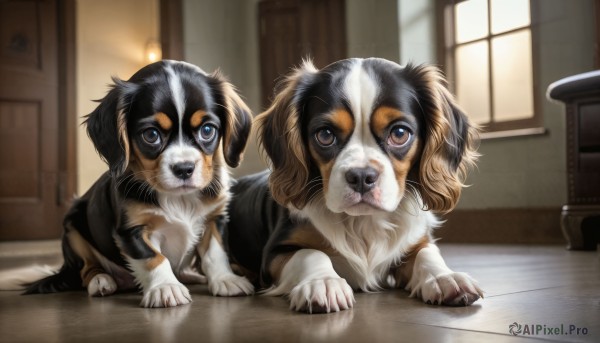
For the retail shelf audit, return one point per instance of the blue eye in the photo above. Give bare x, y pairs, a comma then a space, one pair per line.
399, 136
207, 132
151, 136
325, 137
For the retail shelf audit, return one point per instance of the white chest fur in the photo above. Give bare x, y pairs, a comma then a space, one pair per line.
184, 223
369, 245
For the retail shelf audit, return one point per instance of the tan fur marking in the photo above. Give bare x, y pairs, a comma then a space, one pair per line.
91, 265
141, 214
207, 168
403, 167
403, 272
196, 119
211, 231
154, 261
124, 138
307, 236
382, 117
163, 121
303, 236
277, 265
343, 121
324, 167
145, 169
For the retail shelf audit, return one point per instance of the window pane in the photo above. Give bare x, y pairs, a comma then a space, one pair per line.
509, 14
471, 20
512, 76
472, 80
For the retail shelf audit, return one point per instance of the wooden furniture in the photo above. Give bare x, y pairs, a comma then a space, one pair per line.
581, 215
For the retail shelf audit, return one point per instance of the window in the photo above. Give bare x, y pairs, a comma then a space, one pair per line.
489, 61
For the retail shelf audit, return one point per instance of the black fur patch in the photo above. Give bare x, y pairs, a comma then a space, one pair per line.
133, 244
136, 190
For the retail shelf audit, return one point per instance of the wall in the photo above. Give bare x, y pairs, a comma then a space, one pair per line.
111, 37
417, 31
372, 29
224, 34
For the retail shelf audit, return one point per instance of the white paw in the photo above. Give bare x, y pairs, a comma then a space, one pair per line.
228, 285
166, 295
327, 295
101, 285
453, 289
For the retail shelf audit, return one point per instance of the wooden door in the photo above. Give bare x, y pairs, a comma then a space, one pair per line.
291, 30
31, 201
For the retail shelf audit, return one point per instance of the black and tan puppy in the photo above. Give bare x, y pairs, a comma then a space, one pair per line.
167, 134
363, 154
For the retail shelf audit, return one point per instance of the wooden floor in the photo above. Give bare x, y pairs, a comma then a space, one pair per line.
545, 291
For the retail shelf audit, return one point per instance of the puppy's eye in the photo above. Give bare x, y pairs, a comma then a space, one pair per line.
207, 132
151, 136
325, 137
399, 136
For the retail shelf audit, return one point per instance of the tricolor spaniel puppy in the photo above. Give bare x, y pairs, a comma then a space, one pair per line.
167, 134
363, 154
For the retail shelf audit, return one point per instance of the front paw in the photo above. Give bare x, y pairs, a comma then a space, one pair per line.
230, 285
453, 289
166, 295
318, 296
101, 285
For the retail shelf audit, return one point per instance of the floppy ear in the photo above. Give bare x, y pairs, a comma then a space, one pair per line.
279, 135
237, 118
450, 140
107, 126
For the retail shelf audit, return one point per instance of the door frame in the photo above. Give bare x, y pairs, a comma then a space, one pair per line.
67, 103
171, 29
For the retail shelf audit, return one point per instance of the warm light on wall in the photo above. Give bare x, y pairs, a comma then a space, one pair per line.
153, 51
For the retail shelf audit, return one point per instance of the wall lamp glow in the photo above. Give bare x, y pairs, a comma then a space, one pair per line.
153, 51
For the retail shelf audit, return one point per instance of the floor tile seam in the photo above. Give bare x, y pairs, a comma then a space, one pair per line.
524, 291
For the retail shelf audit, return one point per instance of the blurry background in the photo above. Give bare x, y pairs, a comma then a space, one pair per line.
499, 55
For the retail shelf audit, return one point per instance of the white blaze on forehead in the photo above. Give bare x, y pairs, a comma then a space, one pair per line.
177, 94
361, 91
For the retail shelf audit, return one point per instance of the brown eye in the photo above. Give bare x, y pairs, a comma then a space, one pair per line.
151, 136
399, 136
325, 137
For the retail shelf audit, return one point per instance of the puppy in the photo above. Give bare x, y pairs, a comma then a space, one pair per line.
167, 134
363, 154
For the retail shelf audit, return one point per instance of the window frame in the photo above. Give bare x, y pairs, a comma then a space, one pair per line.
446, 55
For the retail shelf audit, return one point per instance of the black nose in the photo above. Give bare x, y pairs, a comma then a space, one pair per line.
183, 170
362, 180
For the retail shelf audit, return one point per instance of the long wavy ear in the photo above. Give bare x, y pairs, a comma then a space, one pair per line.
238, 120
450, 140
107, 126
279, 135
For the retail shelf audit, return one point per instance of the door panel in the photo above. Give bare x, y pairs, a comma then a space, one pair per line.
29, 120
291, 30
